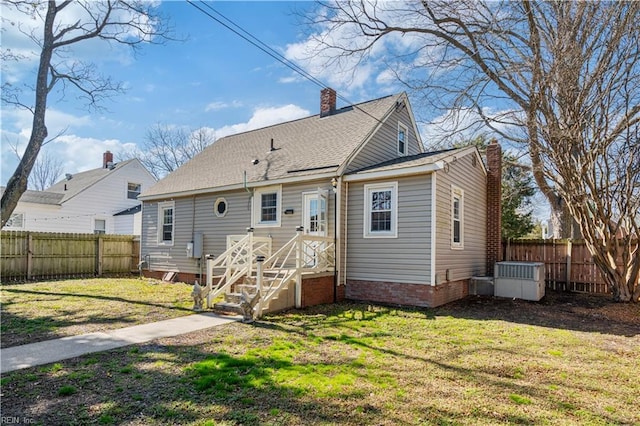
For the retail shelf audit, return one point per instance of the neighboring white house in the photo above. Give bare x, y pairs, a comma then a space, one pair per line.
102, 200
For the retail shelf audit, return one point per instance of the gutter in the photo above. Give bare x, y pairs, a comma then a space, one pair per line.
236, 186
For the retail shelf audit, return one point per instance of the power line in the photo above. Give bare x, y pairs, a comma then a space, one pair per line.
263, 46
256, 42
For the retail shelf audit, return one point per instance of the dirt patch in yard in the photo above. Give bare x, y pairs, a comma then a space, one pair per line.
571, 311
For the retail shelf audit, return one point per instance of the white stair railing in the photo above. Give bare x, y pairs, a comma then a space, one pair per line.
303, 253
237, 262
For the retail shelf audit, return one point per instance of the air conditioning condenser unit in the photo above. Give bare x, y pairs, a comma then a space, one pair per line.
520, 280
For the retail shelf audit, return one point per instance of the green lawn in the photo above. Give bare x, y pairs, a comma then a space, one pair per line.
353, 364
45, 310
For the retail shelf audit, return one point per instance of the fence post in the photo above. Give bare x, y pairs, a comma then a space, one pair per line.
99, 254
259, 284
249, 259
29, 255
568, 278
299, 264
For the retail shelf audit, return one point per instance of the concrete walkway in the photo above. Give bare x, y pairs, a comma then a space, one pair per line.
25, 356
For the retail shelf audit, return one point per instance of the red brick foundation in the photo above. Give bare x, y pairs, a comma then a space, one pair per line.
318, 290
406, 294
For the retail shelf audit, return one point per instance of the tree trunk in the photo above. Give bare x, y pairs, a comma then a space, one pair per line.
18, 182
562, 222
621, 279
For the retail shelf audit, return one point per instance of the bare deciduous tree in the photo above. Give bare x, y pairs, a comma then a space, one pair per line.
168, 147
45, 172
567, 77
65, 24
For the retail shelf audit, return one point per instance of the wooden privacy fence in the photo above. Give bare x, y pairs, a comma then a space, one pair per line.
568, 264
26, 255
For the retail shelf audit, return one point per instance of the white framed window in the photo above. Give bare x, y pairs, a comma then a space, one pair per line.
381, 210
457, 218
403, 136
166, 221
267, 203
16, 221
220, 207
99, 226
133, 190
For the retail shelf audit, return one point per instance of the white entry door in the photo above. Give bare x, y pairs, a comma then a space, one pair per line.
314, 213
314, 222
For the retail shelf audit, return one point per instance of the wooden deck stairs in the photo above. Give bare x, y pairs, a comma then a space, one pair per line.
253, 281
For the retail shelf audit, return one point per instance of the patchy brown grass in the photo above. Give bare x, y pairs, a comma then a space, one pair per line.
478, 361
33, 312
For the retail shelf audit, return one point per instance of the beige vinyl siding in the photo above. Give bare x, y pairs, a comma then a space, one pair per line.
471, 260
405, 259
292, 199
191, 215
196, 214
383, 145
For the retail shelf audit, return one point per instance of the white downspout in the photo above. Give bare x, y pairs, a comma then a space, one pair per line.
433, 228
346, 224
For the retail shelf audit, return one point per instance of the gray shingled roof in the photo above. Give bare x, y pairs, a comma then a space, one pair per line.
408, 161
422, 159
303, 147
83, 180
39, 197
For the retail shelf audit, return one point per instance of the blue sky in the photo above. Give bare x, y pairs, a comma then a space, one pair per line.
213, 79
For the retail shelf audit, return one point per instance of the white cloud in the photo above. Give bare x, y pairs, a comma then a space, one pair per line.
386, 77
356, 71
79, 153
292, 79
263, 117
18, 21
219, 105
20, 121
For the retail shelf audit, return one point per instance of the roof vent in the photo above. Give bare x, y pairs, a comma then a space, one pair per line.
272, 147
111, 165
68, 176
256, 161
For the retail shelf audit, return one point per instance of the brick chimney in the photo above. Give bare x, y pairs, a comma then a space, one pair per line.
107, 158
494, 207
327, 102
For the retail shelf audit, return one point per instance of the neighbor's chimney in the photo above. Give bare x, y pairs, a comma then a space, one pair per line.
494, 207
107, 158
327, 102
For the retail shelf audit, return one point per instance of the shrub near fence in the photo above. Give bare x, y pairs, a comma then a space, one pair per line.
568, 264
26, 255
